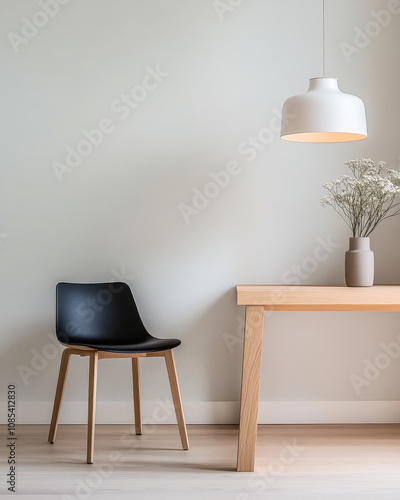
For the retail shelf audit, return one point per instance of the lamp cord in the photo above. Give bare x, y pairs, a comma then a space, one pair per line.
323, 37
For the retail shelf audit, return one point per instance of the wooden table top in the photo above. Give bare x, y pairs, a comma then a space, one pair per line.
320, 298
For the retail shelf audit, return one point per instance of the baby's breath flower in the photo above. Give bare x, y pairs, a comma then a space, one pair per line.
365, 199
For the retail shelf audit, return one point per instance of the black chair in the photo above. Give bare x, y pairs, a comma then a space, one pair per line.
101, 320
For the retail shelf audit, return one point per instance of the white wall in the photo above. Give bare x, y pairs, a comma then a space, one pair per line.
118, 212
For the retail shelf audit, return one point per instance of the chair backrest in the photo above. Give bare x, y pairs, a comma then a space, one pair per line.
97, 313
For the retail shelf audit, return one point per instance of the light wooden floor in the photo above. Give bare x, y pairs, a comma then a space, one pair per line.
292, 462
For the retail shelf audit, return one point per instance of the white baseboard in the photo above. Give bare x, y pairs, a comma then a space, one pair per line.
214, 412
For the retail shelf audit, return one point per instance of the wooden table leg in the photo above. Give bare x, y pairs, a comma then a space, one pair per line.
250, 393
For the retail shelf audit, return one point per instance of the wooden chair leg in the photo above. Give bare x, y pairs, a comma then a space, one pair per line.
176, 396
136, 395
62, 378
94, 356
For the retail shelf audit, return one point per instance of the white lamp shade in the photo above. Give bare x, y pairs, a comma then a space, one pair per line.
323, 114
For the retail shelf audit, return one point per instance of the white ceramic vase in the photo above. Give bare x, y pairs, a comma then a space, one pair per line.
359, 263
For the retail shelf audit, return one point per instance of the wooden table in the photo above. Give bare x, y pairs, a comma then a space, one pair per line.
260, 298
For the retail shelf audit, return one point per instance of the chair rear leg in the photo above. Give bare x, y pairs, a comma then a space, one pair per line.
136, 395
176, 396
94, 357
62, 378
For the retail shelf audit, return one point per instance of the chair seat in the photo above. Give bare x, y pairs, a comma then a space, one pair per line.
151, 344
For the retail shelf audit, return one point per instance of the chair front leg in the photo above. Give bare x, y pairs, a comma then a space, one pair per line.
136, 395
62, 378
176, 397
94, 357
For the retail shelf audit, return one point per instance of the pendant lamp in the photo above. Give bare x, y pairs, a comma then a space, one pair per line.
323, 113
